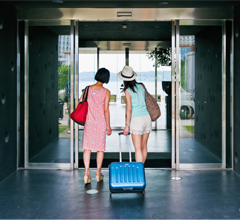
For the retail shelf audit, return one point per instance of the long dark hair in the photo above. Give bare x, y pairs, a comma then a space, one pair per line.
130, 84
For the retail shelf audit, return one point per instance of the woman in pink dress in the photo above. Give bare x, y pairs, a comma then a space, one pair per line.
97, 124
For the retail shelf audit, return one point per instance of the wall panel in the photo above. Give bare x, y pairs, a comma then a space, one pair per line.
8, 96
208, 81
43, 89
236, 89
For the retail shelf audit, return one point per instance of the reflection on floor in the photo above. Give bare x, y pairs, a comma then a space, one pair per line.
192, 151
57, 152
159, 148
59, 194
159, 141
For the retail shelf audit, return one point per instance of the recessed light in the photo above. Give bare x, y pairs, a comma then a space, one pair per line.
57, 1
124, 26
163, 3
124, 14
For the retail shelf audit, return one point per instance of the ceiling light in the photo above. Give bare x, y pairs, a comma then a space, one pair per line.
124, 14
163, 3
57, 1
124, 26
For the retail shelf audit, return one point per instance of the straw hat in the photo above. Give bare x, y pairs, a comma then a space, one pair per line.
127, 74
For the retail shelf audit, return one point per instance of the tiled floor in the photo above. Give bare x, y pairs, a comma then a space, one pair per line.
59, 194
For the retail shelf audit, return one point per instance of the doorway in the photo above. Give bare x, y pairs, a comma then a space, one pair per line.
124, 47
187, 98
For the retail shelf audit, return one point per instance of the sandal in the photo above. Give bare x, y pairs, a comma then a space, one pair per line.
99, 177
87, 178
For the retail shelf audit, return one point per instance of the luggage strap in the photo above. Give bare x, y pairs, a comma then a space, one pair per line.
120, 147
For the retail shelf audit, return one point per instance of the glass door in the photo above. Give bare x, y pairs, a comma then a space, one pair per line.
49, 91
200, 101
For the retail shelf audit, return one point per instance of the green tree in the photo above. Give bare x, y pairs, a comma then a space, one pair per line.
163, 56
63, 74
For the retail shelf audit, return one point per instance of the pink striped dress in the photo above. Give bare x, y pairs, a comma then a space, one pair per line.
94, 134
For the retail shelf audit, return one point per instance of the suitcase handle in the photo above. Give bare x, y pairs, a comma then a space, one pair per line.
121, 133
120, 147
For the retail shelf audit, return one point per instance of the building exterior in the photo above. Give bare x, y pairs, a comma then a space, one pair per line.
34, 44
64, 48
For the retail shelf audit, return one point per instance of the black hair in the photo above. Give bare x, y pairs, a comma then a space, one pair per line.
102, 75
130, 84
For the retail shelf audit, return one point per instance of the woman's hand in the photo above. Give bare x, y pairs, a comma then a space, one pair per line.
126, 130
109, 131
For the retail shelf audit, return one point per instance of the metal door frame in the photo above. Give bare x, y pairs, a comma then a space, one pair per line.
175, 84
74, 94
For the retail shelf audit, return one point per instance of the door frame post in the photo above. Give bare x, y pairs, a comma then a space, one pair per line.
173, 142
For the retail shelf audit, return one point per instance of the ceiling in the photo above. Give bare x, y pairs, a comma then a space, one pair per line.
135, 31
125, 4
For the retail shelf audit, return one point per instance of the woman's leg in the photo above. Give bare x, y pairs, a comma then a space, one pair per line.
144, 146
99, 160
86, 160
137, 142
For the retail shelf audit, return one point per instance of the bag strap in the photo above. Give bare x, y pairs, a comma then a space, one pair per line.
143, 86
85, 95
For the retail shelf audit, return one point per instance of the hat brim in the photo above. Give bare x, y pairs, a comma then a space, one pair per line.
127, 79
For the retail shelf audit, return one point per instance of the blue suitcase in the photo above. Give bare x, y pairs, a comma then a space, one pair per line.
125, 177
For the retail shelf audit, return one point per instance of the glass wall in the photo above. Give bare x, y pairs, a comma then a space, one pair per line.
87, 67
145, 69
200, 99
114, 61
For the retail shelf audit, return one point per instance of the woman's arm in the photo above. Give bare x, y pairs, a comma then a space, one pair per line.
129, 112
107, 113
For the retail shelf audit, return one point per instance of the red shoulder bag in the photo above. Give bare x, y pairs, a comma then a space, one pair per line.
80, 113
